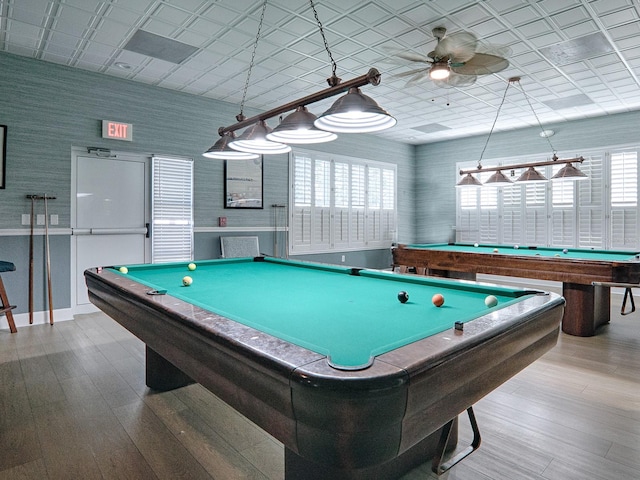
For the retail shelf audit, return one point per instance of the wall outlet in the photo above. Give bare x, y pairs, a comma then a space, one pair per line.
40, 219
54, 219
222, 221
26, 219
343, 258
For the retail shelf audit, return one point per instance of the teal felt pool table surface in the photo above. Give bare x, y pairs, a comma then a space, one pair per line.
524, 250
348, 317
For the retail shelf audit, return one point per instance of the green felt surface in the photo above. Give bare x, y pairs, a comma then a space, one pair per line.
349, 318
572, 253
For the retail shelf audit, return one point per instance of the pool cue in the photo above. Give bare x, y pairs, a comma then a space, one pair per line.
46, 236
33, 221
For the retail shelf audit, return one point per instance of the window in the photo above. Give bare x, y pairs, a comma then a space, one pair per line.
172, 210
341, 203
598, 212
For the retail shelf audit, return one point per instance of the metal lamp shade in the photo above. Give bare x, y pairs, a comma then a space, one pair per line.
221, 150
355, 112
298, 128
254, 140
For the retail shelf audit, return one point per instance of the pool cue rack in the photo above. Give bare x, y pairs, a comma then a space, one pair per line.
33, 199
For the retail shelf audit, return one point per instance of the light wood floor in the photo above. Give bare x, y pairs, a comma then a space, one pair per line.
73, 405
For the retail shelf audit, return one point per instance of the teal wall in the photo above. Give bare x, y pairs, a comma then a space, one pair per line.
436, 173
50, 108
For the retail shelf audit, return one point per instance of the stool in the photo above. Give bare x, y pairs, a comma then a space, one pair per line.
628, 294
5, 306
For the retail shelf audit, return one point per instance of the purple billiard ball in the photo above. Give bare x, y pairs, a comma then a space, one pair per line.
403, 296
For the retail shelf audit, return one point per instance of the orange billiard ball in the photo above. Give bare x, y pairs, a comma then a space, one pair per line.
438, 300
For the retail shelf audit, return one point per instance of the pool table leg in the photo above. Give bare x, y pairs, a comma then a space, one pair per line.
161, 374
297, 467
587, 308
440, 464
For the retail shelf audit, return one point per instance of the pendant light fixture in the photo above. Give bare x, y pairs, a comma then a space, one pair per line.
254, 140
498, 179
530, 175
569, 172
221, 150
352, 113
355, 113
298, 127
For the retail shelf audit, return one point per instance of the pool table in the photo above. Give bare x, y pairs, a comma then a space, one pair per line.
326, 359
588, 305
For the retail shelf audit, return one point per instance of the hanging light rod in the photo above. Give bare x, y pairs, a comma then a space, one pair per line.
555, 161
371, 77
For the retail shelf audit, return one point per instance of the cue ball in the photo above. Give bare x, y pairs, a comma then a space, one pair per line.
495, 250
403, 296
186, 281
475, 245
123, 270
565, 250
516, 247
490, 301
191, 266
438, 300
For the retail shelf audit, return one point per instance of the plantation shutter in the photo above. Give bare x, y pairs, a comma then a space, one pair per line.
591, 198
624, 199
301, 212
171, 209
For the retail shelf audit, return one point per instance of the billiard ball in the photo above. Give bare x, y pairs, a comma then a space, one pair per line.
191, 266
495, 250
475, 245
490, 301
403, 296
438, 300
516, 247
123, 270
187, 280
565, 250
557, 255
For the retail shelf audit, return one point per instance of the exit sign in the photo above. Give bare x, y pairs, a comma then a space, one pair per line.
117, 130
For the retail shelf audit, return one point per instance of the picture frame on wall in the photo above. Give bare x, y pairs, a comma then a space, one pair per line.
3, 155
243, 183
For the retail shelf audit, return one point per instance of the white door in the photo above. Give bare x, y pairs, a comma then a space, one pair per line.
110, 212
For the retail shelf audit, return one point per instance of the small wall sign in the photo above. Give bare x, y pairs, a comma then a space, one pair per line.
117, 130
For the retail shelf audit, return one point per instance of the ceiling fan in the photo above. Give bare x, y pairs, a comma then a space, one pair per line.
456, 61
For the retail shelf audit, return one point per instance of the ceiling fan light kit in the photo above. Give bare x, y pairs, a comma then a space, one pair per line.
352, 113
530, 175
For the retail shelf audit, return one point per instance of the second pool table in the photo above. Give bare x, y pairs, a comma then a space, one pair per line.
354, 383
588, 305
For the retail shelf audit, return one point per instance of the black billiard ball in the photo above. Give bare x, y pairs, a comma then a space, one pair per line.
403, 296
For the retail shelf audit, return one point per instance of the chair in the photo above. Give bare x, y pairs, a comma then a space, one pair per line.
5, 306
235, 247
628, 294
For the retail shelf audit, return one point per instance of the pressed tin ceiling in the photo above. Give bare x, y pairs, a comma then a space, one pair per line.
576, 58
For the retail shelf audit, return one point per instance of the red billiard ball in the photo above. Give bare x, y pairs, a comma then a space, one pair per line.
438, 300
403, 296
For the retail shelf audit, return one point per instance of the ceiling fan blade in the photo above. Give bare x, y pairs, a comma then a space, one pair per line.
418, 78
459, 47
410, 72
481, 64
413, 57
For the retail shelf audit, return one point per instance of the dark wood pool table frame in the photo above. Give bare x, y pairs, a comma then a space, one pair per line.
375, 423
585, 283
